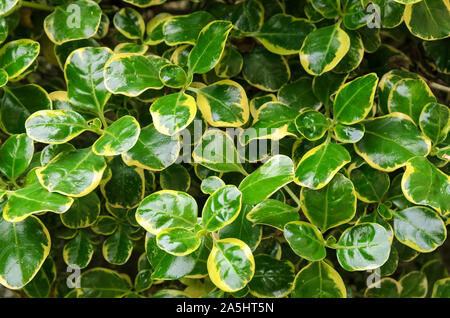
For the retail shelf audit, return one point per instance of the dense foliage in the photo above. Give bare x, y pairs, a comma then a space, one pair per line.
257, 148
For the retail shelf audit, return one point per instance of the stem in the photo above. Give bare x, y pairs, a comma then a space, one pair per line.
245, 173
14, 183
192, 89
327, 110
292, 195
103, 120
215, 237
38, 6
97, 131
440, 87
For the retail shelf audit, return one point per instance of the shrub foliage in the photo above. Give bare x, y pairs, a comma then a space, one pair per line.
257, 148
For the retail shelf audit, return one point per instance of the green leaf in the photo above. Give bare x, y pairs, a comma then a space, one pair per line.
41, 285
18, 103
209, 47
55, 126
17, 56
118, 138
25, 247
118, 247
185, 28
414, 285
311, 124
85, 82
34, 199
434, 270
167, 209
424, 184
363, 246
105, 225
143, 280
230, 63
267, 179
371, 185
348, 134
180, 55
274, 121
78, 251
318, 280
391, 12
265, 70
378, 218
175, 177
63, 51
326, 85
438, 51
118, 213
354, 56
74, 173
51, 151
211, 184
223, 104
284, 34
389, 141
155, 28
356, 17
231, 264
407, 1
101, 282
419, 228
331, 205
391, 264
3, 77
216, 151
173, 76
441, 288
299, 94
15, 155
242, 229
248, 16
323, 49
130, 23
130, 48
354, 100
273, 213
172, 113
125, 186
178, 241
434, 121
428, 19
167, 266
145, 3
221, 208
384, 288
170, 293
273, 277
305, 240
409, 96
320, 164
153, 151
132, 74
83, 212
73, 21
7, 6
387, 83
103, 28
60, 100
405, 253
327, 8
